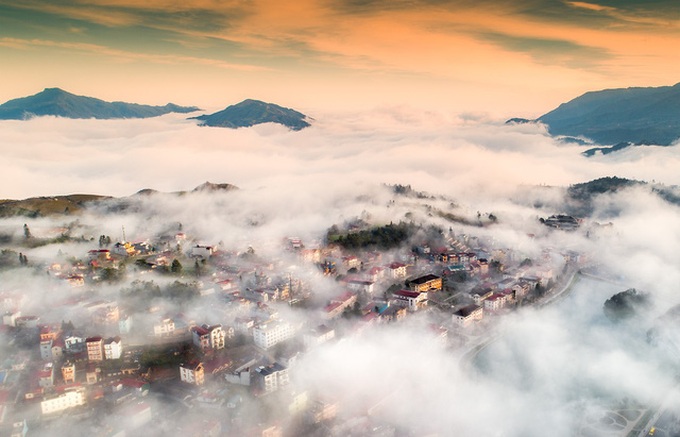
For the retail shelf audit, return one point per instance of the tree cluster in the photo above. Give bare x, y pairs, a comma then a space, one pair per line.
383, 237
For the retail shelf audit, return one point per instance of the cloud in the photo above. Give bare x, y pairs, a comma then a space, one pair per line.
551, 51
550, 368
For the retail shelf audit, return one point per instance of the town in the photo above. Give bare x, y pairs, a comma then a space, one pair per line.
199, 339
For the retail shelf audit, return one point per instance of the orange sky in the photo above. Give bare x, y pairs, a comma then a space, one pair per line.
504, 58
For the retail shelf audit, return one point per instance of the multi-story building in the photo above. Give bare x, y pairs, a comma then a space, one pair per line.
165, 328
68, 372
46, 350
467, 315
208, 337
319, 335
192, 373
427, 282
397, 270
113, 348
273, 377
412, 300
495, 302
95, 348
269, 334
71, 397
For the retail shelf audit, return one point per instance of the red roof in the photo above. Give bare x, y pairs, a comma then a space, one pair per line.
407, 293
134, 383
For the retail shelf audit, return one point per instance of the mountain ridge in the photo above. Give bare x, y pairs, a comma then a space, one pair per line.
612, 117
60, 103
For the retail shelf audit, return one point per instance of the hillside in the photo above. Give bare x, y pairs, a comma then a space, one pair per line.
57, 102
618, 116
251, 112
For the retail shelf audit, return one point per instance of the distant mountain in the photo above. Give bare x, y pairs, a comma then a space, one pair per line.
251, 112
57, 102
75, 203
640, 116
46, 206
209, 187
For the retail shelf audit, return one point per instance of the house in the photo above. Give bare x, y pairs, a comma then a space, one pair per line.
269, 334
192, 373
208, 337
413, 300
427, 282
467, 315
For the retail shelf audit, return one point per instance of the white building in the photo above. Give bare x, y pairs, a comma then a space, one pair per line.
72, 397
164, 328
319, 335
467, 315
208, 337
269, 334
192, 373
272, 378
200, 251
410, 299
113, 348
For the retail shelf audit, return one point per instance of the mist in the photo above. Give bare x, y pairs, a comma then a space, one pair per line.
553, 369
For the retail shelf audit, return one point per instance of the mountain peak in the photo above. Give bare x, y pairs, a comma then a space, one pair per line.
250, 112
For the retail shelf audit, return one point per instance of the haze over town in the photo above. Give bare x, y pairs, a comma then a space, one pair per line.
408, 265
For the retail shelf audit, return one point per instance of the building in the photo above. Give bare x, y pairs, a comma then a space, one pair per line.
208, 337
360, 285
495, 302
413, 300
192, 373
336, 307
45, 376
467, 315
272, 377
397, 270
95, 348
203, 252
319, 335
165, 327
46, 350
71, 397
113, 348
68, 372
269, 334
428, 282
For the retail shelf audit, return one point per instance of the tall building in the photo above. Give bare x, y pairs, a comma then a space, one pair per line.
95, 348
